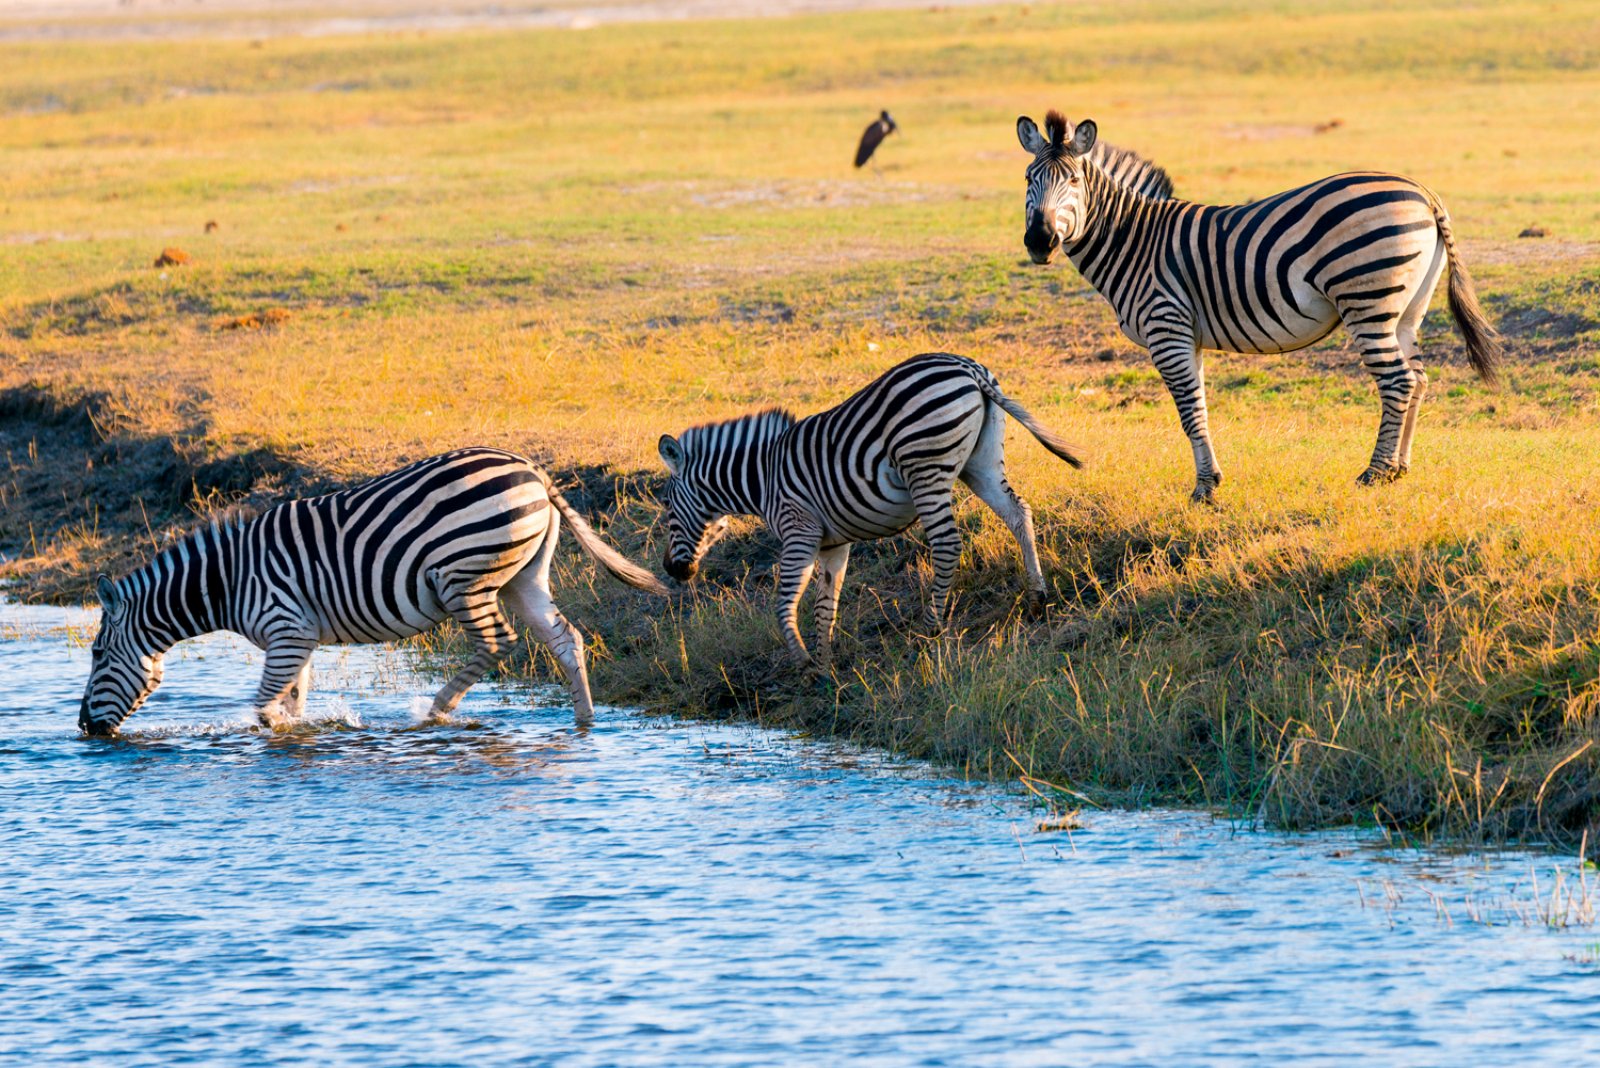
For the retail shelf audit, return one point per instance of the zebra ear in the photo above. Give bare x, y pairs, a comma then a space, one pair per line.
1083, 137
106, 590
1028, 133
671, 453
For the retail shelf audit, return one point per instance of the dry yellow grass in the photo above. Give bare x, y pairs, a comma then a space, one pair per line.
568, 244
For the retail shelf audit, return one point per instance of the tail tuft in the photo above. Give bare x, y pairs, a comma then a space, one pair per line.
1049, 439
620, 567
1057, 445
1483, 343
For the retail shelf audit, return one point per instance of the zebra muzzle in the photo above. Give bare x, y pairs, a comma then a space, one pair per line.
1040, 240
92, 727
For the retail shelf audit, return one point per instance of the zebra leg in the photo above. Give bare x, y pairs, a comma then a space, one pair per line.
1384, 359
1406, 332
797, 559
931, 496
1409, 426
295, 703
480, 616
280, 698
1397, 385
531, 601
988, 483
1376, 328
831, 564
1178, 362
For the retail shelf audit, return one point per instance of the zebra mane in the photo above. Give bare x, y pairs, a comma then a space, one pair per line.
1055, 128
179, 543
1132, 171
755, 422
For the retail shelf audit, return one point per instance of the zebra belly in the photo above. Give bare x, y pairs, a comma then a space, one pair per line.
336, 628
883, 510
1297, 331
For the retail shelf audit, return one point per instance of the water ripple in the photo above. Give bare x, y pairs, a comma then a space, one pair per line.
363, 891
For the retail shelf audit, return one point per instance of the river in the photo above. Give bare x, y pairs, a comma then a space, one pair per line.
514, 891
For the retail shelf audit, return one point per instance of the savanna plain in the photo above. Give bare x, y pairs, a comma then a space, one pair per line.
568, 242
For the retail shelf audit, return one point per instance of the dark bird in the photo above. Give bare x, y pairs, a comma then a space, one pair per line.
873, 136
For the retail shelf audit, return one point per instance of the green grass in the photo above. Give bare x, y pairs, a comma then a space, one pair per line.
570, 243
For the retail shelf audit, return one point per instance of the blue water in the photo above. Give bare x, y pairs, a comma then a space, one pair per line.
653, 892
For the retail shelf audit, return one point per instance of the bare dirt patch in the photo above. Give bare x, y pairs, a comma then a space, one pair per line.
256, 320
1544, 253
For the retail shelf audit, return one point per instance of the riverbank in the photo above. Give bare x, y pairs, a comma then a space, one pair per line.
476, 238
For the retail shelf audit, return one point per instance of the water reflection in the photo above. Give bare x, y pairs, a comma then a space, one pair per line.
516, 891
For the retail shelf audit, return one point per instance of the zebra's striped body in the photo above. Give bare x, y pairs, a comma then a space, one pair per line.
1362, 249
869, 468
446, 537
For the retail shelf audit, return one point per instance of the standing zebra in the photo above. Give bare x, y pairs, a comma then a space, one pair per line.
869, 468
1365, 249
387, 559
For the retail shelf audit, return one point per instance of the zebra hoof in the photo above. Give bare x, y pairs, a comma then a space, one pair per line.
1204, 493
1378, 476
1033, 604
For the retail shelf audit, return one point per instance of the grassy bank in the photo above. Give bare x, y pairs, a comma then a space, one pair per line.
569, 243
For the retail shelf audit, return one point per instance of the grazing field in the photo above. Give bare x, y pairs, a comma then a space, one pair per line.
568, 243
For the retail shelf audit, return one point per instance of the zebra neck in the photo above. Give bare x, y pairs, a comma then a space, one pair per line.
1115, 215
745, 493
741, 461
186, 591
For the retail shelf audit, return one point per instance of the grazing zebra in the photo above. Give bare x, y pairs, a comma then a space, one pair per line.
447, 536
1363, 249
869, 468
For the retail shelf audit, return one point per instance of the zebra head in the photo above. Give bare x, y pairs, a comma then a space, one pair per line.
1056, 211
693, 523
125, 669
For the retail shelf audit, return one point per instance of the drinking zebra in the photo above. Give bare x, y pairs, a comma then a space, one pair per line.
869, 468
448, 536
1364, 249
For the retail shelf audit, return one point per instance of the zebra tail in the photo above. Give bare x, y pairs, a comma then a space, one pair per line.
1050, 440
1483, 342
621, 568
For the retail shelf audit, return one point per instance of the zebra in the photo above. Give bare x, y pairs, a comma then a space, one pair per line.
449, 536
1131, 170
868, 468
1364, 249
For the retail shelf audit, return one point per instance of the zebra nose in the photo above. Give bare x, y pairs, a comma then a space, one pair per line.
93, 728
1040, 238
683, 572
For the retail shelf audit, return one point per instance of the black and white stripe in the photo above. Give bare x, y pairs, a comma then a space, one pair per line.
1364, 249
884, 459
447, 537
